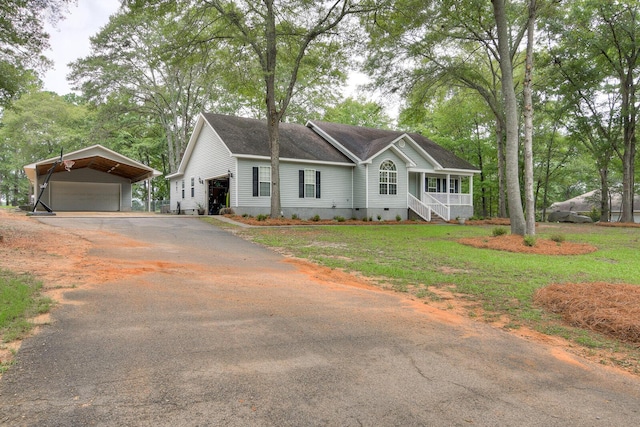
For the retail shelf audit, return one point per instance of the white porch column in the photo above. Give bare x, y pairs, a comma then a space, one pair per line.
471, 190
422, 186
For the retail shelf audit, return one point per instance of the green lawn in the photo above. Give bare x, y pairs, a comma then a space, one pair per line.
20, 300
420, 258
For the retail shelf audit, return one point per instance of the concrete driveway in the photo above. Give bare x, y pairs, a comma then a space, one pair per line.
225, 333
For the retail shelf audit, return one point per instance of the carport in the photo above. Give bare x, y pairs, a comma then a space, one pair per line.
93, 179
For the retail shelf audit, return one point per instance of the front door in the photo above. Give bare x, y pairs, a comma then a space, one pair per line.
218, 193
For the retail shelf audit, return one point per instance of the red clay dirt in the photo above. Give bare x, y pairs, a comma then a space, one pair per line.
63, 261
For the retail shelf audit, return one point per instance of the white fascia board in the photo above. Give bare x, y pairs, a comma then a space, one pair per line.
98, 150
290, 160
333, 142
466, 172
397, 151
190, 145
174, 175
419, 149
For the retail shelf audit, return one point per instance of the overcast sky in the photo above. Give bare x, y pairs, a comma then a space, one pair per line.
70, 39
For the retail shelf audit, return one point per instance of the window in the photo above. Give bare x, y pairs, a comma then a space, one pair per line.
193, 186
388, 178
454, 185
262, 181
432, 185
309, 183
436, 185
183, 188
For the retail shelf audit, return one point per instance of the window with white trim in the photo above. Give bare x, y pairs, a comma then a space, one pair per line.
310, 183
261, 181
193, 187
183, 188
388, 178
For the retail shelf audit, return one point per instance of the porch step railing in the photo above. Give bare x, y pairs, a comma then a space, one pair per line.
440, 209
418, 207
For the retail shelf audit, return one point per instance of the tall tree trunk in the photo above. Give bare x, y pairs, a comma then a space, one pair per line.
502, 202
530, 207
273, 115
629, 154
605, 210
516, 214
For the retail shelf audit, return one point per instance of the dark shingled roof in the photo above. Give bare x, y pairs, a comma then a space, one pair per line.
250, 137
365, 142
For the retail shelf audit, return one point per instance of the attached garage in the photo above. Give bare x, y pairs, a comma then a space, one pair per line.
92, 179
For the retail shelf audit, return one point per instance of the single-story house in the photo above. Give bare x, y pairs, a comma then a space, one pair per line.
585, 203
93, 179
326, 169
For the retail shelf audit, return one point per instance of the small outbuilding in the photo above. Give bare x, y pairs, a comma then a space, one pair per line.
92, 179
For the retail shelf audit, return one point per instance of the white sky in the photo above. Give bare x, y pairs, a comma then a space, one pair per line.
70, 39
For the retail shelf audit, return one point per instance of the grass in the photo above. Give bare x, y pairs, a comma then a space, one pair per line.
416, 258
20, 300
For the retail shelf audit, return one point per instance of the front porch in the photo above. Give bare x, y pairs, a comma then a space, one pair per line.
446, 195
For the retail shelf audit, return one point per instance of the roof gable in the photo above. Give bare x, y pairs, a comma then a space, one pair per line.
250, 137
97, 158
365, 143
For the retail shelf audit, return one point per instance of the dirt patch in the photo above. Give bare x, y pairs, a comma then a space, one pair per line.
62, 260
515, 243
611, 309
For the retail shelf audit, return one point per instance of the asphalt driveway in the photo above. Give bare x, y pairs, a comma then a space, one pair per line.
225, 333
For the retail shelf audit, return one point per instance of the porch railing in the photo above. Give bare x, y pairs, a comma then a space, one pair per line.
418, 207
442, 210
451, 199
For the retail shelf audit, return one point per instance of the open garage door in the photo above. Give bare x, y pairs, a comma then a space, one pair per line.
85, 196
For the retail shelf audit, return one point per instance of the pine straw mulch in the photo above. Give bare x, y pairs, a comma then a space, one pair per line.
515, 243
611, 309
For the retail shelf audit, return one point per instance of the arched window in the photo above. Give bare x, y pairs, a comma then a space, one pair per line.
388, 178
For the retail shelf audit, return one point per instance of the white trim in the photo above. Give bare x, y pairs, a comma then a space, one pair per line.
290, 160
399, 153
333, 142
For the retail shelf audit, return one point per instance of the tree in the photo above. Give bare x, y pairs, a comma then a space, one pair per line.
284, 39
135, 67
604, 38
358, 113
38, 126
595, 59
22, 41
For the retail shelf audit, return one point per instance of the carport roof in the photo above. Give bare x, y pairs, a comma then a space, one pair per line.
97, 158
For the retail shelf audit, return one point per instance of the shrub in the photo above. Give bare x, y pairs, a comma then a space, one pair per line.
594, 214
294, 216
339, 218
379, 217
227, 211
558, 238
499, 231
398, 218
315, 218
245, 215
262, 217
529, 240
365, 219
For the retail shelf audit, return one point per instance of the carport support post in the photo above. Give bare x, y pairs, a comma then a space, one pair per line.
148, 194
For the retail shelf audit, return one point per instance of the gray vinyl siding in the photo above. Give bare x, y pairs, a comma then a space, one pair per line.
245, 180
210, 158
359, 187
335, 186
377, 200
418, 159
